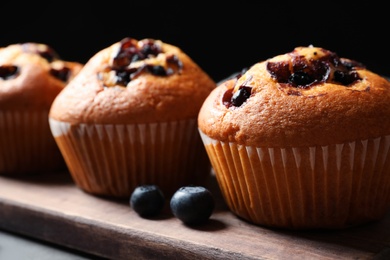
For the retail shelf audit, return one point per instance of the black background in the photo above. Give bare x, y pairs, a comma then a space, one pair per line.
222, 38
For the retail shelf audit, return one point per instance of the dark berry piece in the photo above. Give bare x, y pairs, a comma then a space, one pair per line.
227, 97
279, 71
122, 60
157, 70
150, 48
304, 73
147, 200
137, 57
192, 204
175, 61
300, 78
61, 74
8, 71
241, 96
345, 78
50, 55
123, 77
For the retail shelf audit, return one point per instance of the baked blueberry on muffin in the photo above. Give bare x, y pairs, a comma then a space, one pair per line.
301, 141
129, 118
31, 75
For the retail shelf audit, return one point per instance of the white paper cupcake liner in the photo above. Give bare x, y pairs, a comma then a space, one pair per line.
26, 144
112, 159
304, 187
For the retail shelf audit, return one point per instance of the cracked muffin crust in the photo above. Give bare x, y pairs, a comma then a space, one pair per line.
301, 141
135, 81
329, 99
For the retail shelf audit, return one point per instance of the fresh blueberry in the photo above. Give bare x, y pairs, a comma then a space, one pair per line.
192, 204
147, 200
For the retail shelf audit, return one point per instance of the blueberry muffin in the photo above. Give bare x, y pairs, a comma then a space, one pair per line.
301, 141
129, 118
31, 75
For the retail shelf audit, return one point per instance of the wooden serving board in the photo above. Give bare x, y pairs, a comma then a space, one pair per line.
51, 208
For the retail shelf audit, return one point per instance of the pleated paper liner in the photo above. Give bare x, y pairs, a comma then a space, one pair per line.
111, 160
27, 145
334, 186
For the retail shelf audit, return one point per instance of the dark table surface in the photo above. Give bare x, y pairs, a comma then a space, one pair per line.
15, 246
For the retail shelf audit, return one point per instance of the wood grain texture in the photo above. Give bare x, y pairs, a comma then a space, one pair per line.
52, 208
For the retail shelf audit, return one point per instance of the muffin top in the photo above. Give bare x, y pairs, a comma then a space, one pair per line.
31, 75
134, 81
307, 97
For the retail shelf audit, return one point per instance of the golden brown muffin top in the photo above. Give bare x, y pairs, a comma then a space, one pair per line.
306, 97
134, 81
31, 75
